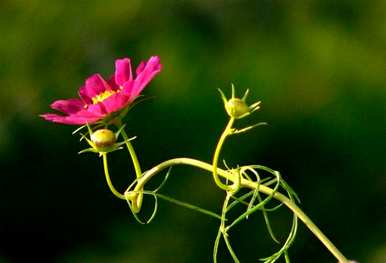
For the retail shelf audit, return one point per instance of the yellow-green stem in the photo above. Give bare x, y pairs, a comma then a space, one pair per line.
137, 167
244, 183
216, 155
108, 180
133, 155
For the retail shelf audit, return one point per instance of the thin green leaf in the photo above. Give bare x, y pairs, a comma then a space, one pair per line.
270, 182
239, 200
164, 180
266, 219
230, 249
134, 214
188, 205
132, 185
245, 169
290, 190
216, 244
286, 245
155, 207
259, 205
253, 199
272, 209
245, 196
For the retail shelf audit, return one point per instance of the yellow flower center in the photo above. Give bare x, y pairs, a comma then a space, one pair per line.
102, 96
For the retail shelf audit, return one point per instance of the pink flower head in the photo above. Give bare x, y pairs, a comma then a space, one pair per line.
100, 98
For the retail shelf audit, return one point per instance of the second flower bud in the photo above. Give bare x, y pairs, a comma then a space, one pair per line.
237, 107
103, 138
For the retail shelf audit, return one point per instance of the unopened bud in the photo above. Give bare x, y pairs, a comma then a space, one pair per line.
103, 138
237, 108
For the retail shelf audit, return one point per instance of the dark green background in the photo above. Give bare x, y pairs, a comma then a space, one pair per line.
318, 67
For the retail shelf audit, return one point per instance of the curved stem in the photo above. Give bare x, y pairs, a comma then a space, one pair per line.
137, 167
244, 183
108, 180
220, 143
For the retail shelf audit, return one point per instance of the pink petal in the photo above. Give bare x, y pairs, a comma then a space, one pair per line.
116, 102
84, 96
112, 83
94, 86
140, 68
122, 71
148, 72
71, 119
68, 106
127, 87
89, 115
97, 109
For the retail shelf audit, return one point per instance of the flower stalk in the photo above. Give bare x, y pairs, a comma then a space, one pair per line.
133, 155
216, 156
108, 179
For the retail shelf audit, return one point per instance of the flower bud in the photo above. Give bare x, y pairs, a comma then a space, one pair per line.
237, 108
103, 138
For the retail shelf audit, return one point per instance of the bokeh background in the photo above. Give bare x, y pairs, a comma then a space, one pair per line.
318, 67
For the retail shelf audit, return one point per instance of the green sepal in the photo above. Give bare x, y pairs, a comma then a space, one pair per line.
233, 91
244, 98
119, 131
78, 129
223, 97
87, 150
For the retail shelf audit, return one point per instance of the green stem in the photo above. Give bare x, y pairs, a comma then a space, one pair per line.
108, 180
216, 156
286, 257
247, 184
133, 155
136, 207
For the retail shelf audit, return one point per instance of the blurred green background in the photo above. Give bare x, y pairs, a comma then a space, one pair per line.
318, 67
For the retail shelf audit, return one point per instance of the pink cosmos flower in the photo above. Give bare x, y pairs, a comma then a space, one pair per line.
100, 98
